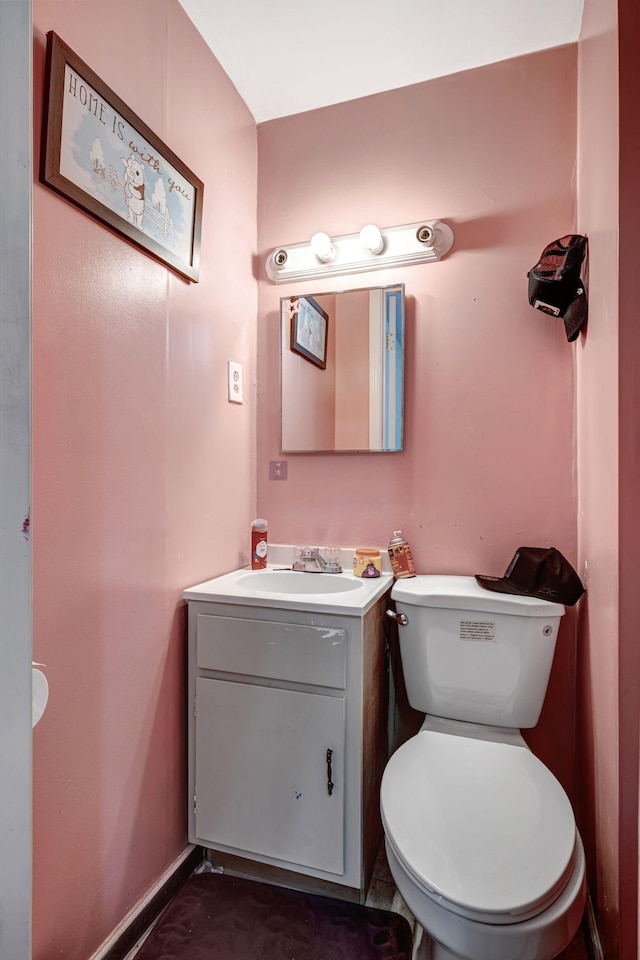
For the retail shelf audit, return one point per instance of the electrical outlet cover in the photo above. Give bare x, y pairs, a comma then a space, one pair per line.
234, 374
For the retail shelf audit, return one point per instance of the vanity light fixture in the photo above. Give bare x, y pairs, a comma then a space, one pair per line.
370, 249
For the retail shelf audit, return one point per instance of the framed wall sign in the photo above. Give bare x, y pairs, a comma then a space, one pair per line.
309, 330
97, 153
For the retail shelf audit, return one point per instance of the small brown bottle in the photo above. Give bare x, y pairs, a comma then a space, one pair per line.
400, 555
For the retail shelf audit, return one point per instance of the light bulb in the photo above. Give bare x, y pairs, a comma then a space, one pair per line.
321, 245
371, 238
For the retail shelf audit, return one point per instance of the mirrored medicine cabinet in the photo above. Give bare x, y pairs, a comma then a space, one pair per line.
342, 371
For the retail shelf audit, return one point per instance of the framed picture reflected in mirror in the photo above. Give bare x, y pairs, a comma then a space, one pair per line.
309, 324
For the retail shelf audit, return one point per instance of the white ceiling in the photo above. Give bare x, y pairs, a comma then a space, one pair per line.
288, 56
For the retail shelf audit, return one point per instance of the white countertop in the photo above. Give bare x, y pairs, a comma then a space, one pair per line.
237, 587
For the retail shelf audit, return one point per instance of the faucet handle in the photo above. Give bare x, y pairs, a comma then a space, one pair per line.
332, 560
300, 556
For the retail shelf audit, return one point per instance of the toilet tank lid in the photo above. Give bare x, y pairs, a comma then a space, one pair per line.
465, 593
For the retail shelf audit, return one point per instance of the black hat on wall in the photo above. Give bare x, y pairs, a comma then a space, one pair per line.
555, 286
540, 572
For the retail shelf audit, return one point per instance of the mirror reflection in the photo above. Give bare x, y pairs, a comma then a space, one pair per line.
342, 371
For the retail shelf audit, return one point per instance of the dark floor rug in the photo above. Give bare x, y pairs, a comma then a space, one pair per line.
219, 917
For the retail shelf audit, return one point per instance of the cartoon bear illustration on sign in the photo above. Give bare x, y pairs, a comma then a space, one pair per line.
134, 189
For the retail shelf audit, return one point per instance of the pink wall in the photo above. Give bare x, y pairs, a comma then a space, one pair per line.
308, 393
143, 474
608, 467
598, 452
489, 459
629, 448
352, 372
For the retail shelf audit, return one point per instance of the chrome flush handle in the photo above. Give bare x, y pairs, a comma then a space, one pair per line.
400, 618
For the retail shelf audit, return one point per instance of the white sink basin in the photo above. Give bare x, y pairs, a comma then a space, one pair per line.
294, 582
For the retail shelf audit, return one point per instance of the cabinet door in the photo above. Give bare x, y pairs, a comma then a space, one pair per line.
261, 772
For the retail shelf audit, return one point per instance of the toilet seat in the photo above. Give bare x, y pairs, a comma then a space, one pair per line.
482, 827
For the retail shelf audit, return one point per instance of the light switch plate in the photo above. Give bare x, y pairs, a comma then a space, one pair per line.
234, 375
278, 469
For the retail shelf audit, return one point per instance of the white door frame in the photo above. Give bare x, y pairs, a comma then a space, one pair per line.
15, 442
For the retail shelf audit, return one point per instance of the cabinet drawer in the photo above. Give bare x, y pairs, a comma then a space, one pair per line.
279, 651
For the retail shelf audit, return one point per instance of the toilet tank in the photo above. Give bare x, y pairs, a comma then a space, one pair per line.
471, 654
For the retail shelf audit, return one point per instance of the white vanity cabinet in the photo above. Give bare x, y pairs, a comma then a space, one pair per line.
287, 739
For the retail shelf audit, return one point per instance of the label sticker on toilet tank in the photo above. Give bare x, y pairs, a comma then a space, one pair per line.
483, 630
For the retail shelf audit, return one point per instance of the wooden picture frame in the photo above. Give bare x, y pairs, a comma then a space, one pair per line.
309, 326
101, 156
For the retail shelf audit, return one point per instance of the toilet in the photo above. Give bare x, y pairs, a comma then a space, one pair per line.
480, 836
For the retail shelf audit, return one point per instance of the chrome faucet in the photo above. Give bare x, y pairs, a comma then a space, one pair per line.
310, 560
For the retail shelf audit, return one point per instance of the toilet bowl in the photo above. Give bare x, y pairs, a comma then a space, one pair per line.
480, 836
450, 937
482, 845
